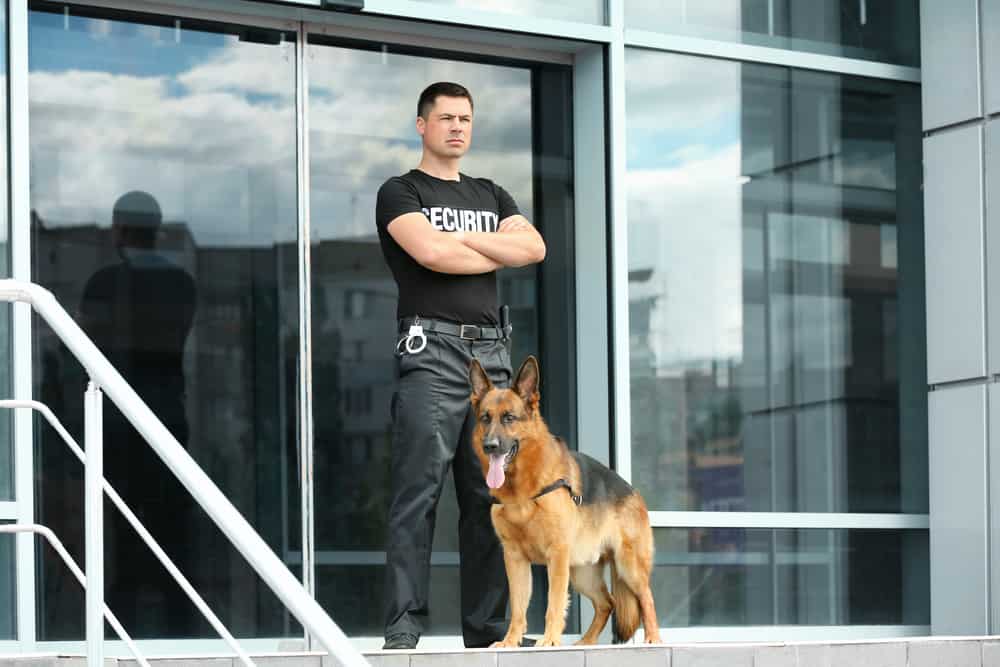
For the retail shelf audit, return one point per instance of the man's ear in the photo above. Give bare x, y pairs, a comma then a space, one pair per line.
480, 382
526, 382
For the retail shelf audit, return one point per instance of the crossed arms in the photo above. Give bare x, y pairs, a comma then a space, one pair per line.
516, 243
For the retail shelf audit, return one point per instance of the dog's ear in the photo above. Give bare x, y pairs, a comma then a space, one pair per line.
480, 382
526, 382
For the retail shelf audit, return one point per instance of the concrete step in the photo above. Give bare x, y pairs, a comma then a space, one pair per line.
910, 652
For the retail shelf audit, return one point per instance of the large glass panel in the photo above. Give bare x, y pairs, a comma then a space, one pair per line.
775, 263
586, 11
523, 142
883, 30
742, 576
164, 200
8, 624
6, 432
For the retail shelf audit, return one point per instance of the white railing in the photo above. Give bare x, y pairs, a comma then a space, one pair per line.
104, 377
58, 547
137, 526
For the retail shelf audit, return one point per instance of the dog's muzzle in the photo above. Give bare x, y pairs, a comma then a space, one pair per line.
499, 461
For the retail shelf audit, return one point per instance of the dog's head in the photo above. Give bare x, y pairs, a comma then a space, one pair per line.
504, 417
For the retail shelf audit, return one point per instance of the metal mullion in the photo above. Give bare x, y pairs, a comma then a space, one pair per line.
460, 43
194, 11
413, 9
618, 239
20, 245
699, 46
9, 511
305, 320
791, 520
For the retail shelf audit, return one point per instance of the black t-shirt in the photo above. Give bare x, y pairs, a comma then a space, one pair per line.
469, 204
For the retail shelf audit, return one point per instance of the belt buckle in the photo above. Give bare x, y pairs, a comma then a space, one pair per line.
475, 336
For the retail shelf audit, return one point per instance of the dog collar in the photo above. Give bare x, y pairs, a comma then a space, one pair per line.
558, 484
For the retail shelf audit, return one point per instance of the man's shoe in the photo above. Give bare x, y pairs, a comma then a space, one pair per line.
401, 640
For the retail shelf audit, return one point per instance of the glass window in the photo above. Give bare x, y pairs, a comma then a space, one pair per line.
585, 11
882, 30
742, 576
8, 590
163, 155
6, 384
775, 258
521, 141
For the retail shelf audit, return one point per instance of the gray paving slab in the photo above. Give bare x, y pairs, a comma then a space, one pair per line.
955, 653
456, 659
775, 656
618, 656
712, 656
540, 658
874, 654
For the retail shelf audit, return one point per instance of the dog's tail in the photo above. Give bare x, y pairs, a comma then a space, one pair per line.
626, 618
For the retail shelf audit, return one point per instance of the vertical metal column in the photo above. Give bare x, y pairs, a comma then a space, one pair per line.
94, 518
305, 322
21, 366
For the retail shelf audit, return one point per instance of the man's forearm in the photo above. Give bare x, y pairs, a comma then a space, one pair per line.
508, 248
452, 256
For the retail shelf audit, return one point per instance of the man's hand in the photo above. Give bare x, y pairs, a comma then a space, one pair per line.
435, 250
514, 223
516, 242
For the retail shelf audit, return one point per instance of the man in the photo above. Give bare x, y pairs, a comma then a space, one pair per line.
444, 235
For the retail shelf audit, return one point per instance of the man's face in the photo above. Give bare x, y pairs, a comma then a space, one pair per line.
447, 130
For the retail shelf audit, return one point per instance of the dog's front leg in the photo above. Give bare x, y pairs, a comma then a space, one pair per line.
555, 615
519, 580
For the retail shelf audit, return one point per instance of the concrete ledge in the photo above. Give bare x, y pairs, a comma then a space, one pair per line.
911, 652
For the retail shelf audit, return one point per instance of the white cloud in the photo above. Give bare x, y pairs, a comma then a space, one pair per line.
216, 143
685, 223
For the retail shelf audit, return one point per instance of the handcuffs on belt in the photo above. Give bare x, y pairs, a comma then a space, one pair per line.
414, 341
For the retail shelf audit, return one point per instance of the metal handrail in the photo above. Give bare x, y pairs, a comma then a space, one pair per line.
215, 503
133, 521
60, 549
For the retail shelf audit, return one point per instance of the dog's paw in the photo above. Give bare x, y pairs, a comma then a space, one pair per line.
549, 641
506, 642
654, 639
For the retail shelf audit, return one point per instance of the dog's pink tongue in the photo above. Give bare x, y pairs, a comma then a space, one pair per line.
495, 476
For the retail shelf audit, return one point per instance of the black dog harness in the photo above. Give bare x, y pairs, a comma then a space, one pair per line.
558, 484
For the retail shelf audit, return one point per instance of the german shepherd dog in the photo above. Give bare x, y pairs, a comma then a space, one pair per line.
563, 509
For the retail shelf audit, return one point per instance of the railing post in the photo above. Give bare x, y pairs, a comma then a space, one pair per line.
94, 516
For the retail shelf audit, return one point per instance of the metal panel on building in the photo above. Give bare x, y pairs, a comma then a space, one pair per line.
949, 43
953, 231
991, 55
994, 510
957, 419
993, 242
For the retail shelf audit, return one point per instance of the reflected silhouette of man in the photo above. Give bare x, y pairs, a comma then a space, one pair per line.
139, 312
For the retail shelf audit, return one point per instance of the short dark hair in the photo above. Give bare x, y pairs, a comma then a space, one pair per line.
440, 89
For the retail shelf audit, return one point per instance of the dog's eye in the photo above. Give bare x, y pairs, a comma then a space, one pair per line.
508, 418
485, 418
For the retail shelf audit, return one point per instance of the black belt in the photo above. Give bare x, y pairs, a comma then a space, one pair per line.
463, 331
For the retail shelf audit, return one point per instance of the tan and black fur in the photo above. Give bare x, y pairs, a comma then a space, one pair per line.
575, 541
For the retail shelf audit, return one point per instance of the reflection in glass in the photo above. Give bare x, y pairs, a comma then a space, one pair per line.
742, 576
8, 590
585, 11
883, 30
775, 257
354, 296
6, 385
164, 218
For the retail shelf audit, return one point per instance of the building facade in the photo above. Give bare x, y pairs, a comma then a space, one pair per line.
767, 300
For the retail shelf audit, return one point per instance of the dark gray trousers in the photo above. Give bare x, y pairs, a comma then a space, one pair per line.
432, 427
